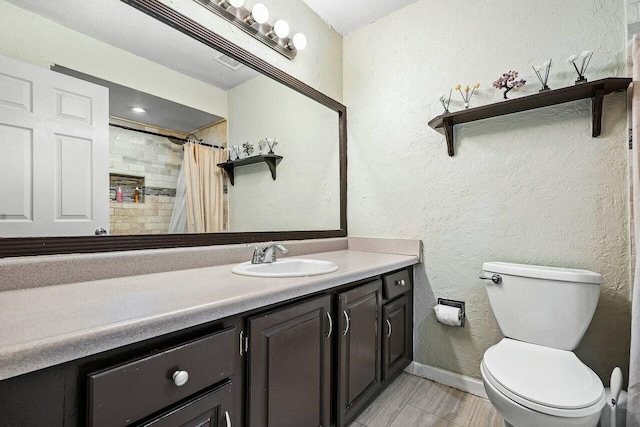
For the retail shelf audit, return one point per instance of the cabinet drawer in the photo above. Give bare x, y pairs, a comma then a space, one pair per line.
212, 409
395, 284
122, 395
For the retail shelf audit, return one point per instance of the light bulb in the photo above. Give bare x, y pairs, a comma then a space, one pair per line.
299, 41
138, 110
281, 28
260, 13
236, 3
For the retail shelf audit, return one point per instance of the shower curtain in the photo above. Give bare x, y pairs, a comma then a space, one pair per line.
198, 205
633, 405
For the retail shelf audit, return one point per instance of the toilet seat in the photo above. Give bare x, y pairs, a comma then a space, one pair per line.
543, 379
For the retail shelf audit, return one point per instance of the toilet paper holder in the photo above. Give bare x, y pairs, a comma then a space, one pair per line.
457, 304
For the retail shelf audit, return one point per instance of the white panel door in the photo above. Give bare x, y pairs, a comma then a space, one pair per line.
54, 153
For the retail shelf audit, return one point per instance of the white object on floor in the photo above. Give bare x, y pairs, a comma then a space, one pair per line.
621, 410
532, 377
614, 412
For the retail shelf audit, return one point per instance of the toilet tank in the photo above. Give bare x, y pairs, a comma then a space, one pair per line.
543, 305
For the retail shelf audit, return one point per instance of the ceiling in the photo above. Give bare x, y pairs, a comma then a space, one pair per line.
120, 25
348, 16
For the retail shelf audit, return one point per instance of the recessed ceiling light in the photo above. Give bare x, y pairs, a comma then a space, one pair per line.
138, 110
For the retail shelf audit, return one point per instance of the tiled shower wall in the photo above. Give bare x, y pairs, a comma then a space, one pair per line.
156, 159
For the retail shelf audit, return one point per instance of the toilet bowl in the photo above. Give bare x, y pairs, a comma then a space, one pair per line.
537, 386
532, 377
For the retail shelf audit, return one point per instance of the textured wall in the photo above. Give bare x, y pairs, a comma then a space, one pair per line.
306, 193
532, 187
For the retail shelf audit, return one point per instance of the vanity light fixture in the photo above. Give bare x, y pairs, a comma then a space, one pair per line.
280, 29
228, 3
299, 42
275, 36
259, 13
138, 110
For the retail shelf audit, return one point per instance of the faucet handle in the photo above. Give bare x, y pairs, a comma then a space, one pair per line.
255, 259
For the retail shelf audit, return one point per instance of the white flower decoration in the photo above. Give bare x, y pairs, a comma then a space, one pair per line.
572, 58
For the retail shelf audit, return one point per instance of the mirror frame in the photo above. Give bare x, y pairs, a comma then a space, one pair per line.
29, 246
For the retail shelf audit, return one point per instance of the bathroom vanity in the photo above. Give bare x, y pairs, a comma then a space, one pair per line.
273, 352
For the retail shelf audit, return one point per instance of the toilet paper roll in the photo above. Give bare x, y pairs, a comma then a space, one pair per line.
448, 315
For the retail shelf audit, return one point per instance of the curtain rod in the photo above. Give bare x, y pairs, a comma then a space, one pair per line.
183, 140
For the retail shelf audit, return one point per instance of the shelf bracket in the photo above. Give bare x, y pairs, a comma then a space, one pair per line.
448, 133
229, 170
596, 111
271, 162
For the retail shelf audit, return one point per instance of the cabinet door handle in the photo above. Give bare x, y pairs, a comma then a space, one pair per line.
241, 343
228, 419
330, 324
346, 317
389, 326
180, 378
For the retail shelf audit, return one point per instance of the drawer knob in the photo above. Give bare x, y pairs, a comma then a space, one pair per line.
400, 282
180, 378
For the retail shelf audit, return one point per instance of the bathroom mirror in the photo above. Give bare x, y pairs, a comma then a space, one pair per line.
177, 108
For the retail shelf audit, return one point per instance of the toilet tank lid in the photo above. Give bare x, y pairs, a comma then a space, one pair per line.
542, 272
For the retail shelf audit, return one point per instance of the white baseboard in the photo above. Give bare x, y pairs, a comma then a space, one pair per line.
448, 378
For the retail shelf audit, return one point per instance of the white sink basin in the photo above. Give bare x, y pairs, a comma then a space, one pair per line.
286, 268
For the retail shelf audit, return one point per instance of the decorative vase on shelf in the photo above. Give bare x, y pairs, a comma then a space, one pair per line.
584, 63
468, 93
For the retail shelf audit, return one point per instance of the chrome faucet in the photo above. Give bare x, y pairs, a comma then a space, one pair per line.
267, 254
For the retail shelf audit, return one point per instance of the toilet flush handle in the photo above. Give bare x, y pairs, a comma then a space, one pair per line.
495, 278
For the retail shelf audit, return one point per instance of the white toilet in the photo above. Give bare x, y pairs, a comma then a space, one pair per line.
532, 377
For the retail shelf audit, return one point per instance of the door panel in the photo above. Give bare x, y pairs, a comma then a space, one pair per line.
74, 170
290, 366
15, 93
362, 339
16, 173
397, 340
63, 187
73, 106
359, 349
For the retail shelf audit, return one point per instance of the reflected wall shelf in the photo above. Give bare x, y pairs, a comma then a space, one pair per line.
271, 160
595, 90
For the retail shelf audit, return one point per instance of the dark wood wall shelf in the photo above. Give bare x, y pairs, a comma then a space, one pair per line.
595, 90
271, 160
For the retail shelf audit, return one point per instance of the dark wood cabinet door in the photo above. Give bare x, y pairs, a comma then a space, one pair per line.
213, 409
290, 366
358, 349
397, 337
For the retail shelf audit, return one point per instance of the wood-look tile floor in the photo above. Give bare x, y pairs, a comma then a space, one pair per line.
412, 401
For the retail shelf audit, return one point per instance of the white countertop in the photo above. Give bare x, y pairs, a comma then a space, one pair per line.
43, 327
